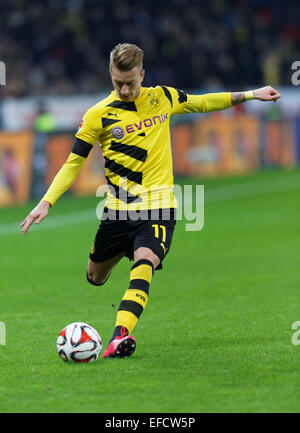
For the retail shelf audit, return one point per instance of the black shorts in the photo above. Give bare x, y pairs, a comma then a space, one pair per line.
121, 231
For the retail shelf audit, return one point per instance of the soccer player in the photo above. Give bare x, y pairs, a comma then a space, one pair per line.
132, 127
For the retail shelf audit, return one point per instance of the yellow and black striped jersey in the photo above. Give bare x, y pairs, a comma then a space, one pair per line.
135, 140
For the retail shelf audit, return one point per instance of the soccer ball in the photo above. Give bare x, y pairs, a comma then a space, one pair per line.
79, 342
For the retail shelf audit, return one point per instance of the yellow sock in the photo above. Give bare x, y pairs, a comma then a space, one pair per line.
135, 298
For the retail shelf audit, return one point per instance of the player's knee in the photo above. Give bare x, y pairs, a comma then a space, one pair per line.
95, 281
143, 253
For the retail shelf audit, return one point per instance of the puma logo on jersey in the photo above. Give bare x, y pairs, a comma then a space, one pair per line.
113, 114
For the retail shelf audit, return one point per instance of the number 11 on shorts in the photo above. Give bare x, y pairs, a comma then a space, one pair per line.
156, 231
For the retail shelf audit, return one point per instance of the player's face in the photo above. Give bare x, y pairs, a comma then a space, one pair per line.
127, 84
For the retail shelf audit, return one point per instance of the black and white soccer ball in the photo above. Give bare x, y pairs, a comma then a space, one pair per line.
79, 342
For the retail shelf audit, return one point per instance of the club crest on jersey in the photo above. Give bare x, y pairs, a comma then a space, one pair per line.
153, 99
118, 132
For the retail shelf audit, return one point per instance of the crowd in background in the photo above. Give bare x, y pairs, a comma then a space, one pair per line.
62, 47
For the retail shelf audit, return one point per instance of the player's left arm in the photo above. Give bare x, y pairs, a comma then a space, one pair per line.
218, 101
266, 93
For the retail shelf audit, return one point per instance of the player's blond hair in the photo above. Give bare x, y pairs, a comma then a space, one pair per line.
126, 56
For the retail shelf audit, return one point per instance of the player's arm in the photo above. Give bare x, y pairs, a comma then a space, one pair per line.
66, 175
62, 181
184, 103
266, 93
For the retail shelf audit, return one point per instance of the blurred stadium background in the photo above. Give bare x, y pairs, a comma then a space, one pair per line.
56, 58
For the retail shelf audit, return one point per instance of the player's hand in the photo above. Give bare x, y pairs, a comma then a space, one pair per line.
37, 214
266, 94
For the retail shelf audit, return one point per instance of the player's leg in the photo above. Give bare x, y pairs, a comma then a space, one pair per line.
146, 253
99, 272
133, 304
150, 247
135, 298
110, 245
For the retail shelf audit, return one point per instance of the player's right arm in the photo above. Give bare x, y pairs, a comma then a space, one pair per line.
86, 136
62, 181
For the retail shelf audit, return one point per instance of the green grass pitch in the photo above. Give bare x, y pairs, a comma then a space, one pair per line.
216, 335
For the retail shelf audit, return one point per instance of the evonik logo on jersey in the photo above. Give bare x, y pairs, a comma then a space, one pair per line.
146, 123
